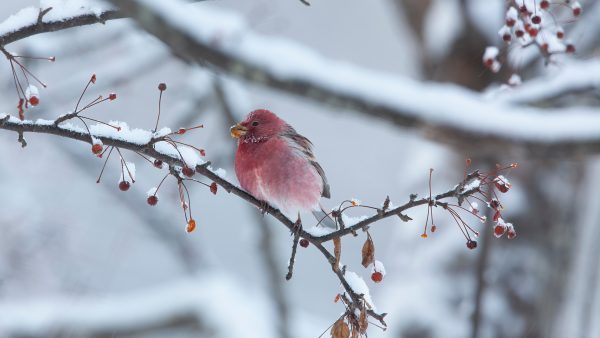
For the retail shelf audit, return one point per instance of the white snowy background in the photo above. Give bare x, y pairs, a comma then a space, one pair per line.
80, 259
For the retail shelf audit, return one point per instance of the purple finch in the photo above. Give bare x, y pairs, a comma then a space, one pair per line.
276, 165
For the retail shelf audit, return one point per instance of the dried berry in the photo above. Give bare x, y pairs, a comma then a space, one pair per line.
152, 200
471, 244
187, 171
304, 242
191, 225
158, 164
162, 87
124, 185
97, 148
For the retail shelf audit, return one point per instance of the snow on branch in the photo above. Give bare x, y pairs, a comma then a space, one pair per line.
444, 112
572, 78
31, 20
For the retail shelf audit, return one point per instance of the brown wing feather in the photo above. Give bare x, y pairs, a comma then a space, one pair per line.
305, 146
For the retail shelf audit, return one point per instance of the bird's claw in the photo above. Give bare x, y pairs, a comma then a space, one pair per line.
264, 207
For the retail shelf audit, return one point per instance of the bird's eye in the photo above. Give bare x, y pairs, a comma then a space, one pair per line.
255, 123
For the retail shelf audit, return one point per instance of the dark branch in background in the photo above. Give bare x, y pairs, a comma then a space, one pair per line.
193, 50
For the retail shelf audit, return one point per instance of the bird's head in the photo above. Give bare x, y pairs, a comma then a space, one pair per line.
259, 125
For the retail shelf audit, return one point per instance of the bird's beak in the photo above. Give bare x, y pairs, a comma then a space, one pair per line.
238, 131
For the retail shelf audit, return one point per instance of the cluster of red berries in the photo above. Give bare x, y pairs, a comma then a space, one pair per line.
527, 22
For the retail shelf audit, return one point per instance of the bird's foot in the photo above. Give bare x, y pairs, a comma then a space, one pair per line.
264, 207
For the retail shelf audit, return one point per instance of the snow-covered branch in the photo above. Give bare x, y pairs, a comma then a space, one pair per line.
31, 20
572, 78
145, 142
443, 112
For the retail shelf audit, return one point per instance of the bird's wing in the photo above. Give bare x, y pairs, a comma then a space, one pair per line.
304, 145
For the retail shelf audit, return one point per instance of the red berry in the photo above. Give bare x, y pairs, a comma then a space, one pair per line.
304, 242
577, 11
181, 131
187, 171
499, 230
545, 47
152, 200
536, 19
560, 34
158, 164
112, 96
162, 87
523, 9
506, 37
545, 4
377, 277
494, 203
570, 48
533, 32
510, 22
213, 188
511, 233
124, 185
471, 244
497, 216
97, 148
34, 100
488, 63
519, 33
433, 228
93, 78
502, 185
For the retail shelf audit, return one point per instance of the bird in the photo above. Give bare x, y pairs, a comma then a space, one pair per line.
276, 164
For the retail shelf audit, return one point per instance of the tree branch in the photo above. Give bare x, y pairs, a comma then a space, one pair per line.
48, 127
41, 26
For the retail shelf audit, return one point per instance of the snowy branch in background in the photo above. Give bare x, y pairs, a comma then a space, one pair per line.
443, 112
182, 304
572, 78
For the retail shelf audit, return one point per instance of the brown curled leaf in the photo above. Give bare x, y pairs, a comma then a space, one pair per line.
363, 322
337, 252
368, 252
340, 329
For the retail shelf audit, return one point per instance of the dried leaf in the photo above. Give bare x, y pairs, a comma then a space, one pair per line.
337, 251
355, 332
363, 322
340, 329
368, 252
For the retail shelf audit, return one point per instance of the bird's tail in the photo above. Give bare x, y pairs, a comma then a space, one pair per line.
323, 218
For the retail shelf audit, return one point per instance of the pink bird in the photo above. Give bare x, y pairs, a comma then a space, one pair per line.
276, 164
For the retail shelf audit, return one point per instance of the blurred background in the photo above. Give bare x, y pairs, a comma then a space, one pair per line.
80, 259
